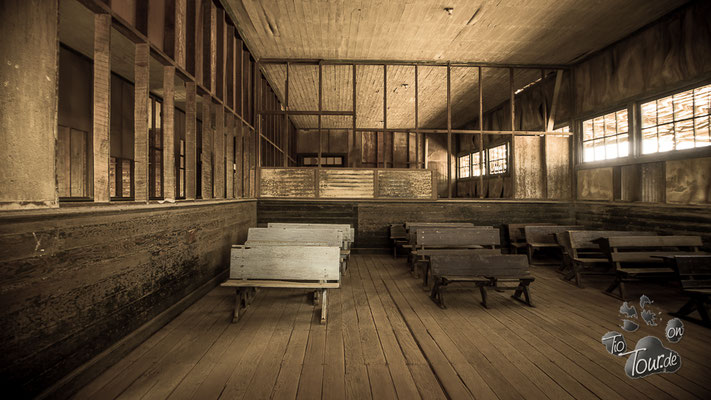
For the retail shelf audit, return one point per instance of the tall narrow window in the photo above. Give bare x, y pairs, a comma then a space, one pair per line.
606, 137
121, 138
181, 170
676, 122
465, 166
498, 158
155, 159
478, 164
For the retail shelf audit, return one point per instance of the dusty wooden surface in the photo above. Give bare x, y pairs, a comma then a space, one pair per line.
74, 283
688, 181
595, 184
288, 183
386, 339
346, 183
414, 184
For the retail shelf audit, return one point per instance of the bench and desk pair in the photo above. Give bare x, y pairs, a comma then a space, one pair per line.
296, 256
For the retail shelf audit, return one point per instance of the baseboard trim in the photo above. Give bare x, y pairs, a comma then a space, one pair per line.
75, 380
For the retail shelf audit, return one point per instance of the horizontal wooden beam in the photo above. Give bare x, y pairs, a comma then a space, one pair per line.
280, 112
458, 131
264, 61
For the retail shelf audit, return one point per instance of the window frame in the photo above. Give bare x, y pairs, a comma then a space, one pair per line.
484, 156
632, 119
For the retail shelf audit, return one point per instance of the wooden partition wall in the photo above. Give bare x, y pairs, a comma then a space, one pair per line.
339, 183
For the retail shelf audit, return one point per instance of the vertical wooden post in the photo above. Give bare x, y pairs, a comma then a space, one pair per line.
355, 145
482, 154
169, 133
320, 108
102, 105
512, 146
544, 156
219, 152
449, 132
257, 129
229, 156
213, 48
285, 145
417, 118
206, 155
239, 159
190, 140
385, 112
180, 21
140, 125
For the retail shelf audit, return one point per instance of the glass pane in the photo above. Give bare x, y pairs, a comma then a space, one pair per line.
126, 178
159, 114
649, 114
610, 124
623, 146
599, 149
666, 137
702, 100
588, 153
611, 147
684, 105
649, 140
702, 132
112, 177
599, 127
587, 130
665, 110
684, 134
622, 124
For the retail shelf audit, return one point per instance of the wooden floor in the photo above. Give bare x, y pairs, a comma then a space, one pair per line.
385, 339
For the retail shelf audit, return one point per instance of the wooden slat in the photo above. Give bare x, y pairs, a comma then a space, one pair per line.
654, 241
141, 123
169, 187
457, 237
102, 105
285, 263
280, 284
328, 237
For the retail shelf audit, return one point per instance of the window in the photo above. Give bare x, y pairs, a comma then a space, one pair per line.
327, 160
498, 159
676, 122
606, 137
155, 149
477, 164
563, 129
121, 139
464, 166
181, 170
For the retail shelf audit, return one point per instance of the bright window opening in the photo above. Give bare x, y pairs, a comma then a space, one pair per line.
464, 166
606, 137
498, 159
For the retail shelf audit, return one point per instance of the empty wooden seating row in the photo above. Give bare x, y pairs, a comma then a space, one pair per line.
641, 257
583, 252
544, 236
694, 272
347, 231
517, 236
398, 237
498, 271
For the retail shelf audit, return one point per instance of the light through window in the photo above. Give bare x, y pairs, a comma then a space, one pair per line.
464, 166
478, 164
606, 137
498, 159
676, 122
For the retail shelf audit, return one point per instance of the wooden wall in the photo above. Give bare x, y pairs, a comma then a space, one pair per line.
372, 218
75, 281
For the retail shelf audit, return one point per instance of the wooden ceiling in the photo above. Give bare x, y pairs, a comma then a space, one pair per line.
491, 31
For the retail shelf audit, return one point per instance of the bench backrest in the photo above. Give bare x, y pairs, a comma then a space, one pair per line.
516, 233
454, 252
397, 231
487, 265
456, 237
287, 236
694, 271
412, 233
585, 239
409, 226
291, 263
648, 249
347, 230
545, 234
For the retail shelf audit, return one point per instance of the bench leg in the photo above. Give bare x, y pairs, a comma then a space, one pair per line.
616, 284
695, 303
529, 253
426, 276
394, 249
482, 289
240, 303
323, 307
316, 297
437, 294
523, 289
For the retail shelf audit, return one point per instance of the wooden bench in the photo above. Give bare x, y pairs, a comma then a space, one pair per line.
640, 257
543, 236
297, 237
582, 253
398, 237
347, 231
430, 241
517, 236
694, 274
296, 267
412, 227
501, 271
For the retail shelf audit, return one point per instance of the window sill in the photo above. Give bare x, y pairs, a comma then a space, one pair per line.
649, 158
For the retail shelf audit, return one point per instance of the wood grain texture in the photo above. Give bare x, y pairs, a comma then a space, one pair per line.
169, 182
112, 271
141, 123
346, 183
207, 150
102, 105
191, 141
595, 184
688, 181
328, 237
546, 234
412, 184
287, 182
285, 263
457, 237
346, 230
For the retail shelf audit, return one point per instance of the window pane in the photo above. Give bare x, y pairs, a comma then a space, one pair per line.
623, 146
665, 110
649, 114
610, 124
622, 124
702, 132
649, 140
587, 130
599, 127
464, 166
684, 134
588, 152
666, 137
126, 178
683, 105
611, 147
702, 100
599, 149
